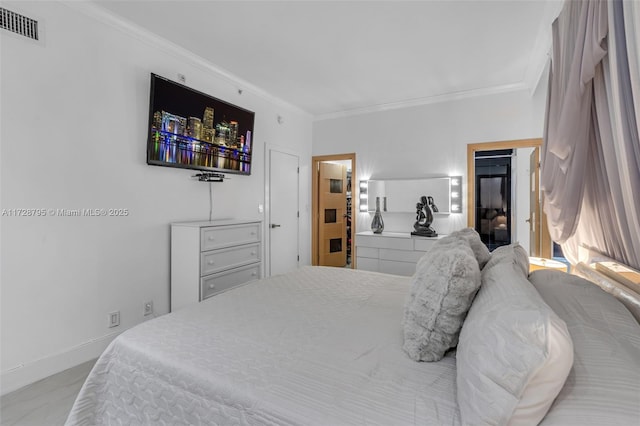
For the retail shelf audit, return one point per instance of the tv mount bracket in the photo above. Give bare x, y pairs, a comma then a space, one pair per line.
209, 177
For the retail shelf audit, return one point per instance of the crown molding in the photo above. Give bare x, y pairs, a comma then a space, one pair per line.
538, 60
96, 12
445, 97
534, 72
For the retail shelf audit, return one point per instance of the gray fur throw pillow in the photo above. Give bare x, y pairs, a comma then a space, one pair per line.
442, 289
480, 251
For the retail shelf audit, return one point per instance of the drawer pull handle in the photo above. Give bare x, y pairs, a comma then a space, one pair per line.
212, 286
210, 262
253, 274
253, 253
210, 238
253, 233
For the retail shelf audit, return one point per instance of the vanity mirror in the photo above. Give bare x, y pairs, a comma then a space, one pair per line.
400, 195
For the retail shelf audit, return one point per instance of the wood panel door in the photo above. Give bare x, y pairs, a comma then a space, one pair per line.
332, 221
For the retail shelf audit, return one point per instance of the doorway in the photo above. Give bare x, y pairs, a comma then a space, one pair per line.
332, 221
536, 221
493, 207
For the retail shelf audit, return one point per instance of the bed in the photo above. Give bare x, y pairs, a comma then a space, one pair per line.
324, 346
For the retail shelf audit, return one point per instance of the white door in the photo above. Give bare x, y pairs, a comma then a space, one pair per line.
282, 223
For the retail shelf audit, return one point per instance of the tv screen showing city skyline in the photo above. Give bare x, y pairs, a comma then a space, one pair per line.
192, 130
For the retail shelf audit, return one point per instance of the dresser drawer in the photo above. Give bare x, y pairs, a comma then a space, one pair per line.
368, 264
425, 244
227, 236
401, 255
222, 259
216, 283
378, 241
372, 253
397, 268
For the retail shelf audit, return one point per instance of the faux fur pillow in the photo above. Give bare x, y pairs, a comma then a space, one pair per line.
446, 280
480, 251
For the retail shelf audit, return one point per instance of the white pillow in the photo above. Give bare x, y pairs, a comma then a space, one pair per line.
603, 387
547, 382
446, 280
513, 253
514, 353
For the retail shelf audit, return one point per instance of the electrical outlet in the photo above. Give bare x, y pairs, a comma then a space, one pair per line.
148, 308
114, 319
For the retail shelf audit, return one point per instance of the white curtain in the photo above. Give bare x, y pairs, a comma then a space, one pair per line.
591, 154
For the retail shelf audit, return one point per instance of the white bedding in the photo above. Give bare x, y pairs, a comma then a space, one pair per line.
323, 346
318, 346
603, 387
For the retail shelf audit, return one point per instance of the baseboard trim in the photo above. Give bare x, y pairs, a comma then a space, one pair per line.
30, 372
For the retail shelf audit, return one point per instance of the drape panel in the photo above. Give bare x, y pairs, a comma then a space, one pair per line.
591, 154
578, 47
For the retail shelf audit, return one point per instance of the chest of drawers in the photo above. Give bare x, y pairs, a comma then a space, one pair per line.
391, 252
210, 257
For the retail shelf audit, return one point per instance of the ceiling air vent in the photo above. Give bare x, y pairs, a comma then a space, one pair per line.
18, 24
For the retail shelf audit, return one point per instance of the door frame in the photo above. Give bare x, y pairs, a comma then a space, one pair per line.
472, 148
315, 164
267, 204
535, 223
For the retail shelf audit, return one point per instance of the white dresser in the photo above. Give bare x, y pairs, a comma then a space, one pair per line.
391, 252
210, 257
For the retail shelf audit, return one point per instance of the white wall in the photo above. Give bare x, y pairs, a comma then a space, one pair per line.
429, 140
74, 123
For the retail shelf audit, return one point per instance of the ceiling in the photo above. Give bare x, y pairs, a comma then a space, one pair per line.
333, 58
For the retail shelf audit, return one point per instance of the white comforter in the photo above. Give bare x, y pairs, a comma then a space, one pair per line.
318, 346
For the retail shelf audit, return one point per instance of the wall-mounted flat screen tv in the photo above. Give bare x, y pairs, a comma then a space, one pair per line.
192, 130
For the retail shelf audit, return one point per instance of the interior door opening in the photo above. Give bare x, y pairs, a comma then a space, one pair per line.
493, 206
526, 208
332, 219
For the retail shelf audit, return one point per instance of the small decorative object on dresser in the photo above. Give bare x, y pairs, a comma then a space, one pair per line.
208, 258
424, 218
377, 224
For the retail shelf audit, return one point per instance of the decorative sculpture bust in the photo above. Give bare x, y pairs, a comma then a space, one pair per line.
424, 218
432, 204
